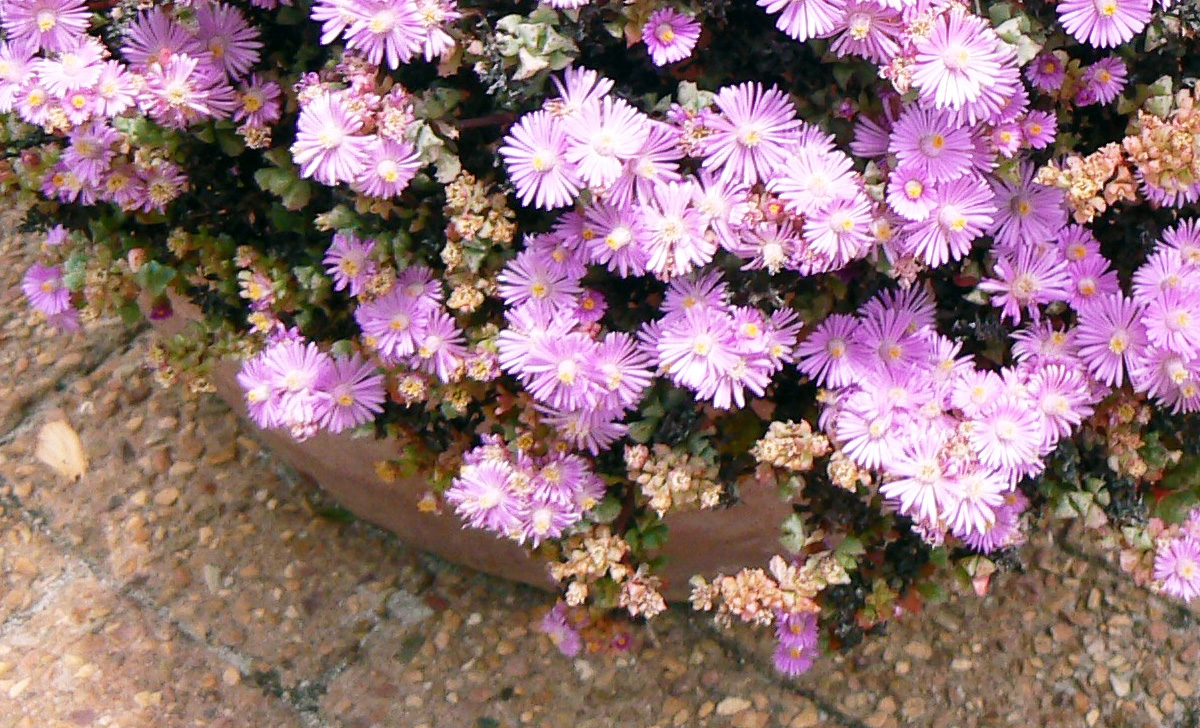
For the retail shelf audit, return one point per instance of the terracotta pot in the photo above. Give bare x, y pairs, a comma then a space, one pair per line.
699, 542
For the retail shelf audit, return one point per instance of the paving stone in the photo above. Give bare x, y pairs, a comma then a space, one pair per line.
30, 566
239, 556
92, 657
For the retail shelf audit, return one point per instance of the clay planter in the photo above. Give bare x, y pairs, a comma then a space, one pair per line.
699, 542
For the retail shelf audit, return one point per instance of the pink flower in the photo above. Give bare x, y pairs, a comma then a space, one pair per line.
348, 262
962, 210
1027, 279
354, 391
389, 168
956, 60
43, 286
670, 36
229, 39
1177, 568
534, 154
1110, 336
52, 25
804, 19
603, 137
675, 238
382, 29
750, 138
1104, 23
329, 146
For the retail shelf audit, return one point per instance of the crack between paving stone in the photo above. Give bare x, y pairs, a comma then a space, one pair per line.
51, 592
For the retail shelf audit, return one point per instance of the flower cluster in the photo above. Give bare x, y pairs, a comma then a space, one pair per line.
293, 384
951, 440
391, 32
526, 498
177, 67
356, 135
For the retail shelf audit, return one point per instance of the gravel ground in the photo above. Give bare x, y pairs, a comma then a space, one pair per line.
189, 579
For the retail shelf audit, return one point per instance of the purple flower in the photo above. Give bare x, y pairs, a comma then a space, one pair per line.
1103, 81
558, 628
865, 427
962, 210
670, 36
1091, 279
348, 262
52, 25
656, 162
910, 193
542, 519
792, 661
594, 431
1004, 531
1047, 71
563, 372
1007, 435
827, 355
483, 496
231, 41
870, 30
602, 137
529, 277
956, 60
392, 323
616, 238
750, 138
1110, 336
534, 154
390, 166
155, 37
385, 30
1177, 568
328, 146
184, 91
1063, 399
1172, 320
43, 286
1027, 279
579, 88
258, 102
1040, 129
293, 368
15, 69
841, 231
355, 393
975, 496
804, 19
697, 348
441, 347
675, 238
1104, 23
813, 178
76, 67
920, 485
933, 144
